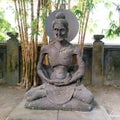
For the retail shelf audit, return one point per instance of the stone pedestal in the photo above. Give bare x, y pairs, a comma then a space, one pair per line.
20, 113
97, 65
12, 76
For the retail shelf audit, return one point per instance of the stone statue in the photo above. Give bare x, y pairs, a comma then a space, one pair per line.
60, 89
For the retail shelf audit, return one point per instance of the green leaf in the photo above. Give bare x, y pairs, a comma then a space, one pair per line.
110, 15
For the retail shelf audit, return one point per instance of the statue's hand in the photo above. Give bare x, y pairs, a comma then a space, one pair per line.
64, 81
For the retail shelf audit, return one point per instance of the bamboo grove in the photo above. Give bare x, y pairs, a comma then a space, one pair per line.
31, 16
82, 11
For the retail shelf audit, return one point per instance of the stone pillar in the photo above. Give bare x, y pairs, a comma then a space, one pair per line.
12, 76
97, 61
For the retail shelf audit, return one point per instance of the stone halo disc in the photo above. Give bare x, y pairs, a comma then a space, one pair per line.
73, 24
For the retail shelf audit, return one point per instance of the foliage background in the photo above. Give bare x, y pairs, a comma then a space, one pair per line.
30, 17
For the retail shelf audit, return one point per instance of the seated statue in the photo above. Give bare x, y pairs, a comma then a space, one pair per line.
60, 89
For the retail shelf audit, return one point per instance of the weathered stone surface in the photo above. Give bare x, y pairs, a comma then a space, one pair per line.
97, 63
62, 87
12, 76
2, 62
20, 113
112, 66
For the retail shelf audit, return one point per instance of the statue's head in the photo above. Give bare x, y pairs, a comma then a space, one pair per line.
60, 26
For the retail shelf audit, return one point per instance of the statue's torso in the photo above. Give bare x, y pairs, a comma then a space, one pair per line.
60, 59
61, 56
59, 72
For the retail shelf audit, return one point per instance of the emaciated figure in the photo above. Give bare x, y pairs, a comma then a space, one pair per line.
60, 89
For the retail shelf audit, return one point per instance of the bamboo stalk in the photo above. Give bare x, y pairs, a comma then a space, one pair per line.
83, 31
45, 42
83, 24
119, 17
69, 2
25, 21
32, 44
17, 8
24, 54
36, 45
22, 43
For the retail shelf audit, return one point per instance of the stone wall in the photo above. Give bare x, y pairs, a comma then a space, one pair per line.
9, 60
102, 63
111, 65
2, 61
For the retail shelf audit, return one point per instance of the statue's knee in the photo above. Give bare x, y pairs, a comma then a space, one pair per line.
30, 92
87, 96
84, 95
89, 99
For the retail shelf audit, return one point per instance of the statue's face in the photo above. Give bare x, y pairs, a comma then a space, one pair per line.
60, 31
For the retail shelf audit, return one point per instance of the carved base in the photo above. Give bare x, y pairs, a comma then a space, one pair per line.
44, 104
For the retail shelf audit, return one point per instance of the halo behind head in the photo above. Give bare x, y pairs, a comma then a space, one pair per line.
67, 16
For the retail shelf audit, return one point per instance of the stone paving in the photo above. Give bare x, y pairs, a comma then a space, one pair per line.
108, 99
10, 97
20, 113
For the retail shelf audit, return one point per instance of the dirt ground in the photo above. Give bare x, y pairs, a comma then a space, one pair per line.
108, 96
10, 97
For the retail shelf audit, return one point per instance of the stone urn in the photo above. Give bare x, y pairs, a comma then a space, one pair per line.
12, 35
98, 37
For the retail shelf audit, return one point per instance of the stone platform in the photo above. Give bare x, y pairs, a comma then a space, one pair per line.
21, 113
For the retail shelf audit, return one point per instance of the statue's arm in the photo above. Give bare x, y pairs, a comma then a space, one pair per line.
81, 68
40, 66
42, 70
80, 71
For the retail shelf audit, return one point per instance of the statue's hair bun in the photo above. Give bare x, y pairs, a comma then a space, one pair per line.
60, 15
